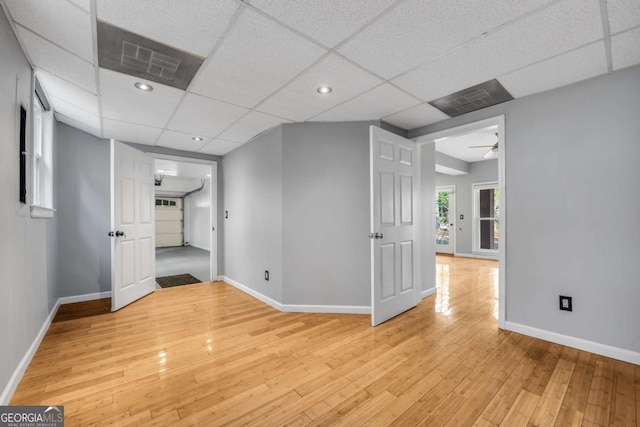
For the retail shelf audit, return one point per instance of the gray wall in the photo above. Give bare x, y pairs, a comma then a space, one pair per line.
484, 171
427, 200
298, 201
326, 214
252, 183
27, 256
83, 182
572, 207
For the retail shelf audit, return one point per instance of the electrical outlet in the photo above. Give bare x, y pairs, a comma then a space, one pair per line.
566, 303
266, 275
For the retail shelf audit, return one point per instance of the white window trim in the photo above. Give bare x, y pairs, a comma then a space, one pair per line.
41, 163
475, 227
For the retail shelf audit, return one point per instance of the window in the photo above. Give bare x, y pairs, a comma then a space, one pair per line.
486, 221
41, 156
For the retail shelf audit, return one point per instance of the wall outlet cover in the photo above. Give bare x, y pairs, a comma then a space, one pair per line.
566, 303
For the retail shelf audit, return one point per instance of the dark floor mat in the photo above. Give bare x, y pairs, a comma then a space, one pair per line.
177, 280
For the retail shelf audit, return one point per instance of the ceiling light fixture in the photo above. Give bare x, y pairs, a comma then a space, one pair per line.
143, 86
197, 138
324, 90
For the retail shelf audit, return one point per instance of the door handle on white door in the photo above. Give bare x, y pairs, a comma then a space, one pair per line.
375, 235
120, 234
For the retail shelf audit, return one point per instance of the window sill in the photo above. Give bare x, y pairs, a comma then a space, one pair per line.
42, 212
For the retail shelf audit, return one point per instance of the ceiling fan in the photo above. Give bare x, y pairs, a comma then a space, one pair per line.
492, 153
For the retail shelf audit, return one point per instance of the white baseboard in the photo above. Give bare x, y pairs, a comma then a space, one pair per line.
478, 256
579, 343
298, 308
11, 386
257, 295
85, 297
335, 309
428, 292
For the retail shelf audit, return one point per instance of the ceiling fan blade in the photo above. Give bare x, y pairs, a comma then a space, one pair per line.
480, 146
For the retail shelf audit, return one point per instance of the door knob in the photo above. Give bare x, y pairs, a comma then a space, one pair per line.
378, 236
120, 234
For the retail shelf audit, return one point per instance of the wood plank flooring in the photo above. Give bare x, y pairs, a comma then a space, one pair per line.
209, 354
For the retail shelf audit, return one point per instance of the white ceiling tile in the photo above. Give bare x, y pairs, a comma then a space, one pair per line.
556, 29
122, 101
181, 141
58, 61
327, 21
251, 125
83, 4
624, 49
59, 21
623, 14
256, 58
66, 91
420, 115
373, 105
194, 26
571, 67
78, 125
219, 147
204, 116
299, 100
129, 132
72, 111
418, 30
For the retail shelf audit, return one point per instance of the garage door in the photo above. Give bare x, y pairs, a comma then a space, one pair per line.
169, 220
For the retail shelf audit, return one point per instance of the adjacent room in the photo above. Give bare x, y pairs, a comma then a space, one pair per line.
183, 222
265, 212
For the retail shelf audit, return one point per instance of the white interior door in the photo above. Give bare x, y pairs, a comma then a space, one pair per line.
445, 217
132, 225
394, 278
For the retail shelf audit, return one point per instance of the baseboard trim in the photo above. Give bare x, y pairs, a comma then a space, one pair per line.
428, 292
327, 309
11, 386
478, 256
85, 297
579, 343
257, 295
298, 308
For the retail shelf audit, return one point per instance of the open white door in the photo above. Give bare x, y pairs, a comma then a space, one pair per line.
132, 225
394, 278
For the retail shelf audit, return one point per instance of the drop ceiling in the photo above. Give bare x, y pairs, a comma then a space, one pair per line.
264, 59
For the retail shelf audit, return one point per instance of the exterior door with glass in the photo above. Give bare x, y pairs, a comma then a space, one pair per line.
445, 216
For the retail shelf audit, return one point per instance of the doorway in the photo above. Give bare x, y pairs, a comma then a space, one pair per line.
185, 208
445, 217
498, 150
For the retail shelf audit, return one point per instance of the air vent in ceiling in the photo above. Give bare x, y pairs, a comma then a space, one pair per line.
474, 98
129, 53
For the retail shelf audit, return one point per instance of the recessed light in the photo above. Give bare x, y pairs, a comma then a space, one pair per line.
143, 86
324, 90
197, 138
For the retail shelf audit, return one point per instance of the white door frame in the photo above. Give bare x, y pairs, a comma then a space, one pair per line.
467, 128
213, 224
452, 215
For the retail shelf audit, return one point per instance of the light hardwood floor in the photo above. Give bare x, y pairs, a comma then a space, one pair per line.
211, 355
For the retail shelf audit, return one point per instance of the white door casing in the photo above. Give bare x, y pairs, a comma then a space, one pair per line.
394, 249
132, 223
